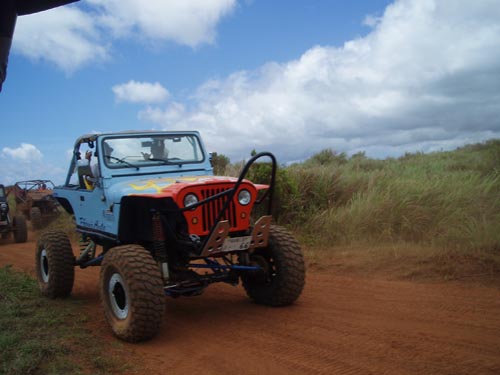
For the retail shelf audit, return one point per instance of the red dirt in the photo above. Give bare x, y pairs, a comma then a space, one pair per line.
340, 325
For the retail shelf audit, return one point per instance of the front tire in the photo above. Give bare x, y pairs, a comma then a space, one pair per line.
55, 265
20, 229
283, 277
132, 294
36, 218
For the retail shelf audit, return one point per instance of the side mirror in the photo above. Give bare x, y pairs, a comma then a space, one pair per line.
211, 157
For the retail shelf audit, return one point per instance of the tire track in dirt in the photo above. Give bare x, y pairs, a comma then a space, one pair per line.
340, 325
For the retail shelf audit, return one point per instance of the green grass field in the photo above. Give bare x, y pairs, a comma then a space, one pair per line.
43, 336
445, 199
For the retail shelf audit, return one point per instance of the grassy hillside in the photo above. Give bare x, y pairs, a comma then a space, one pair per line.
446, 199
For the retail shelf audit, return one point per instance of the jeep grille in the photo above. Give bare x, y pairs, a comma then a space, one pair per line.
212, 209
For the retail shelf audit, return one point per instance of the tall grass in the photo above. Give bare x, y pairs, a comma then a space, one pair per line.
459, 210
447, 199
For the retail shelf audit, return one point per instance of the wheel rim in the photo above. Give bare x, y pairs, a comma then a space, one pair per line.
118, 296
44, 266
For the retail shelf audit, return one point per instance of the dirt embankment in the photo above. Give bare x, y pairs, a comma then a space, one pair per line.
340, 325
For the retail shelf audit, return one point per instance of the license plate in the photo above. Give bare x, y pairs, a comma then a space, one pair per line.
237, 243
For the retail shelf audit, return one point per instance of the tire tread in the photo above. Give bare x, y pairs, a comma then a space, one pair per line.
287, 285
145, 288
61, 264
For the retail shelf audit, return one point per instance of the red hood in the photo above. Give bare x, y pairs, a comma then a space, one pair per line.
170, 187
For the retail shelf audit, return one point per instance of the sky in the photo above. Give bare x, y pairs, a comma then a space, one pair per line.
291, 77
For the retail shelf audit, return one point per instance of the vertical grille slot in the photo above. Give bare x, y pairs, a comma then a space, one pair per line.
211, 210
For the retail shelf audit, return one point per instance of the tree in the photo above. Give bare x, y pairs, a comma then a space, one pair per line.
219, 163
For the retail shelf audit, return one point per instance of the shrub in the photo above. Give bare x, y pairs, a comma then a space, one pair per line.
449, 199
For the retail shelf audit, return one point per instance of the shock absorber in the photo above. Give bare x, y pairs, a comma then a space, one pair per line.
159, 246
87, 248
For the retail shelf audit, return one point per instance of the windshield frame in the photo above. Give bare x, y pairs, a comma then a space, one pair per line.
112, 160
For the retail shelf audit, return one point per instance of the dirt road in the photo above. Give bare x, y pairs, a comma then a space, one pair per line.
340, 325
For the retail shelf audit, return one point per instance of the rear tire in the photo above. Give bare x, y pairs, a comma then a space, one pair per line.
20, 229
283, 278
36, 218
55, 262
132, 296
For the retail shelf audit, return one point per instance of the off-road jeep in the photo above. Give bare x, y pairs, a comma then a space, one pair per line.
34, 200
157, 221
7, 226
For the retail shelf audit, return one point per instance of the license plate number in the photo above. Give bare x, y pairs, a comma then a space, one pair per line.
237, 243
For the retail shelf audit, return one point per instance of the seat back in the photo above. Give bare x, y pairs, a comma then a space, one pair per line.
83, 172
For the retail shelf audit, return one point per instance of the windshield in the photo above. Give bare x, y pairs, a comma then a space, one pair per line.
2, 192
139, 151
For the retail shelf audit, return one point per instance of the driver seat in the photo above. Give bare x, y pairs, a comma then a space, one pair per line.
84, 177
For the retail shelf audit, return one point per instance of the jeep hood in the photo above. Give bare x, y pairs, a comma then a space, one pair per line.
166, 186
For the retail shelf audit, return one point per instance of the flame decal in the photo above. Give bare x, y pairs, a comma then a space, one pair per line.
148, 185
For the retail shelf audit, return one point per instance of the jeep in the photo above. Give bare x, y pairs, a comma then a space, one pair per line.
17, 225
34, 200
149, 211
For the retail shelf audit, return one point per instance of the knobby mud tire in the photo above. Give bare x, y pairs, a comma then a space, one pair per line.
285, 271
36, 218
133, 270
55, 265
20, 229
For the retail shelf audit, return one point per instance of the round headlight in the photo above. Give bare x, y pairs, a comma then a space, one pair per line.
244, 197
190, 199
3, 206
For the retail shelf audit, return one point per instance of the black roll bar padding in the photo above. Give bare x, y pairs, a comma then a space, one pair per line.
269, 191
231, 192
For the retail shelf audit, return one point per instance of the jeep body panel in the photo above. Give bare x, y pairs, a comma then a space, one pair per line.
130, 186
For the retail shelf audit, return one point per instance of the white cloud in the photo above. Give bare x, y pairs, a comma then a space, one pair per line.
24, 153
73, 36
65, 36
426, 76
27, 162
371, 20
189, 22
140, 92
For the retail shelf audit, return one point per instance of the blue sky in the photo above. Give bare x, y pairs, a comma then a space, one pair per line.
291, 77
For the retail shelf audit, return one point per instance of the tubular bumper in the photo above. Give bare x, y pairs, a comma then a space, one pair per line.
219, 242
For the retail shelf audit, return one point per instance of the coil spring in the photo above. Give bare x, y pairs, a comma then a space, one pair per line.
87, 247
84, 242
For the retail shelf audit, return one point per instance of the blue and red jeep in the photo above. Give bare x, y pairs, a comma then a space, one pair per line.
151, 213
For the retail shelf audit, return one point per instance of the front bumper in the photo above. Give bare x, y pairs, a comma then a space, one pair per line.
220, 243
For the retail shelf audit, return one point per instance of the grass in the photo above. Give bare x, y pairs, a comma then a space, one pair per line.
64, 222
42, 336
444, 199
447, 203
